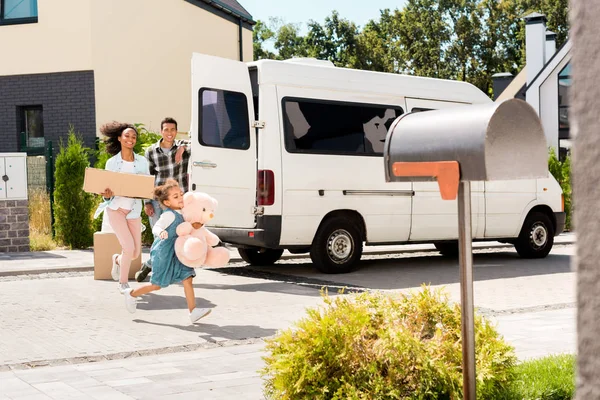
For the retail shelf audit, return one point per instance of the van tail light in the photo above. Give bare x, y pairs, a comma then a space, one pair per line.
265, 188
562, 202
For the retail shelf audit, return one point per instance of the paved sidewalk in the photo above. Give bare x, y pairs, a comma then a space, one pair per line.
230, 372
83, 260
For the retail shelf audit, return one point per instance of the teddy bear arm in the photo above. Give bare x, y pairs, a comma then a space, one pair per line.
185, 228
211, 238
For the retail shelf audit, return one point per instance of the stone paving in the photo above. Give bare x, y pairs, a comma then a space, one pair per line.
95, 349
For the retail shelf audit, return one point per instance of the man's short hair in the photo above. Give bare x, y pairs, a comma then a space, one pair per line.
168, 120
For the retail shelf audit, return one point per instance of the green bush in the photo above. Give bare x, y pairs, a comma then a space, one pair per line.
376, 346
145, 139
548, 378
561, 170
72, 206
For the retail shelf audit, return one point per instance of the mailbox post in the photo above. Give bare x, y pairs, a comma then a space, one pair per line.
496, 141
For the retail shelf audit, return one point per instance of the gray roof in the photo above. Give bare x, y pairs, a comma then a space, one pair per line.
231, 7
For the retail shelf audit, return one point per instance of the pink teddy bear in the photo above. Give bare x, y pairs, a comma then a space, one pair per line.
195, 245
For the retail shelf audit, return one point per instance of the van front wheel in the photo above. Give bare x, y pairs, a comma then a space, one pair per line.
537, 236
258, 257
337, 246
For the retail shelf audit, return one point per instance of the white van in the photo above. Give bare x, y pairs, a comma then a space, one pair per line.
292, 150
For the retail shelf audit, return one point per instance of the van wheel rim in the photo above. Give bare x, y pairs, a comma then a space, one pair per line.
539, 235
340, 246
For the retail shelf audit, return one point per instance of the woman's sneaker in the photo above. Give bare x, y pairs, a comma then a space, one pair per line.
123, 287
198, 313
116, 269
141, 275
130, 301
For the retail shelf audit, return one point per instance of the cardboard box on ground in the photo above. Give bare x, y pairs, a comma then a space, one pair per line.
105, 242
105, 245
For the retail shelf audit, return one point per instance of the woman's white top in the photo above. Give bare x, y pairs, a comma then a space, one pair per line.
125, 203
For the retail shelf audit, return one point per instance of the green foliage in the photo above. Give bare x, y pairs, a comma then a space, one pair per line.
145, 139
561, 170
72, 206
468, 40
376, 346
548, 378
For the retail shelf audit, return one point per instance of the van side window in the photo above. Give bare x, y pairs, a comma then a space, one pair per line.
223, 117
327, 127
420, 109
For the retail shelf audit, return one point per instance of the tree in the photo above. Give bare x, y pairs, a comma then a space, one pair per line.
423, 36
336, 40
379, 46
469, 40
72, 206
289, 43
261, 34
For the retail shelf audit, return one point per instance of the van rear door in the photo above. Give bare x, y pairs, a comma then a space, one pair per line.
223, 160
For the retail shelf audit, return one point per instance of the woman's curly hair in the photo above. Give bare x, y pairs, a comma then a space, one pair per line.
112, 131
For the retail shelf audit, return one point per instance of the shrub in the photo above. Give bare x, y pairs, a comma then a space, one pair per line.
40, 229
145, 139
561, 170
548, 378
376, 346
72, 206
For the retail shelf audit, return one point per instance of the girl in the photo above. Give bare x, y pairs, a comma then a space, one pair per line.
124, 213
166, 267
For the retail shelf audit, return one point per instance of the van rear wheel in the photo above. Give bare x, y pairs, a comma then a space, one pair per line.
537, 236
258, 257
337, 246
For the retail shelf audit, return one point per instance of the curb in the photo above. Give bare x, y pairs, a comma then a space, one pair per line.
284, 257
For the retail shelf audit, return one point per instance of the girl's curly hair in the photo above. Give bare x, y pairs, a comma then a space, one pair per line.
161, 193
112, 131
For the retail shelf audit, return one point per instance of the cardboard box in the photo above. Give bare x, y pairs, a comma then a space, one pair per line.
121, 183
105, 245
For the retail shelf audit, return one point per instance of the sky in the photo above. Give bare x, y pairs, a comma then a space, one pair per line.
301, 11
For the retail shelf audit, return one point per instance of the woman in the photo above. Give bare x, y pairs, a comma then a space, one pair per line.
124, 213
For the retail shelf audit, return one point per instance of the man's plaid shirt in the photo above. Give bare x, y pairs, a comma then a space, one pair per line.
163, 165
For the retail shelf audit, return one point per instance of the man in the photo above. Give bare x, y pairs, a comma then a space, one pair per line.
167, 158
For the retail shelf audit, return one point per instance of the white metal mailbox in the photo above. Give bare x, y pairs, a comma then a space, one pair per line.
13, 176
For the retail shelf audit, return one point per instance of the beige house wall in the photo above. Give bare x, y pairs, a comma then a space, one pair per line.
60, 41
142, 57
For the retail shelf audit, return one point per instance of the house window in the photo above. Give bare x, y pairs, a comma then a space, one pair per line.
564, 84
18, 11
32, 126
331, 127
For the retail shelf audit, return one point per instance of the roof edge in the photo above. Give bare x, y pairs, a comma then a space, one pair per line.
220, 6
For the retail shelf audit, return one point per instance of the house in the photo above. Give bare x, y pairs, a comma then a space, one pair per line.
87, 62
544, 82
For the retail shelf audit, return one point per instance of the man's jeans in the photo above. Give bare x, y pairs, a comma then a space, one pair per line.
157, 212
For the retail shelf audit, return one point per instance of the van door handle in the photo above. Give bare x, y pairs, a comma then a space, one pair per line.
205, 164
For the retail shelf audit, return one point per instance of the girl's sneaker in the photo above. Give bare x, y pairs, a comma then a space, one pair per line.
116, 269
198, 313
130, 301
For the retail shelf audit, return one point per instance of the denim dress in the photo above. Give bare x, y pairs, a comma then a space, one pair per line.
166, 267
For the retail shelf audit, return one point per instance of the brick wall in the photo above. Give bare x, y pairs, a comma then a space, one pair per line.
66, 98
14, 226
